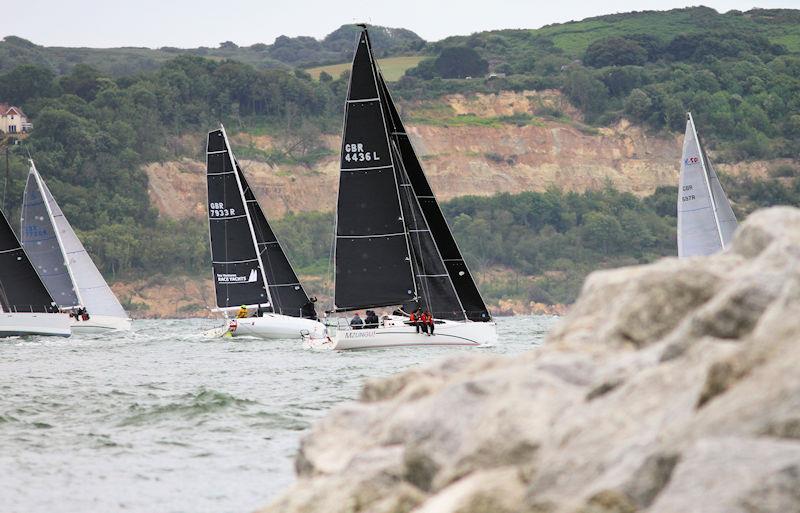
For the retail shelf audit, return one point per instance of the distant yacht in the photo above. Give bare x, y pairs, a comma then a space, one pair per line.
26, 307
64, 265
706, 221
250, 267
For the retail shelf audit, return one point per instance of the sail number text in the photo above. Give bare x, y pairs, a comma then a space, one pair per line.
354, 152
687, 197
219, 210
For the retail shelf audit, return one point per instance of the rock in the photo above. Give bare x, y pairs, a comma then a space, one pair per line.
670, 387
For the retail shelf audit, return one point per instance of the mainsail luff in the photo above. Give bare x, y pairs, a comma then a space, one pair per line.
707, 180
469, 297
372, 256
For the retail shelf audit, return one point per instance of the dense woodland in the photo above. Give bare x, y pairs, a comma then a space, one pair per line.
738, 72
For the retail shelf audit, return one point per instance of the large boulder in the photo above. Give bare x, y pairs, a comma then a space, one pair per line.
672, 388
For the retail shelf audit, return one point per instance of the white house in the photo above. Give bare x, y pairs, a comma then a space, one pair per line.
13, 120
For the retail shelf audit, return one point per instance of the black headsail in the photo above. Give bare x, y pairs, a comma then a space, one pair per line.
468, 294
250, 267
21, 289
372, 256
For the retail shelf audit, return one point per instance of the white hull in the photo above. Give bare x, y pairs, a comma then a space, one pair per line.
100, 324
270, 326
395, 333
43, 324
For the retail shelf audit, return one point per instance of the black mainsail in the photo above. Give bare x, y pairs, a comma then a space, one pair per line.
250, 266
21, 289
440, 278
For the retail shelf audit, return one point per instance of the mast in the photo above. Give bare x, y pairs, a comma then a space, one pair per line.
707, 180
56, 231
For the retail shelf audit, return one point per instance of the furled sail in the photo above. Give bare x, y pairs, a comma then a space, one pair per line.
705, 219
250, 267
21, 290
372, 256
59, 256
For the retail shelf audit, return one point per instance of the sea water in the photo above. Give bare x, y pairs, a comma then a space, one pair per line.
163, 420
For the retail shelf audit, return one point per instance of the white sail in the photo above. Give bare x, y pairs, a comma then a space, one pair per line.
698, 227
91, 288
725, 216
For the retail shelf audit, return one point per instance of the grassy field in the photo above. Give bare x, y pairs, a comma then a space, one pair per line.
392, 67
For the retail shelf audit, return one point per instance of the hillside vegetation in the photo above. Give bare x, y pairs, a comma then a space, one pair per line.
96, 127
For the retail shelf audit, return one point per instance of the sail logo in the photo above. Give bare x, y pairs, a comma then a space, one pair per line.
354, 152
691, 161
235, 278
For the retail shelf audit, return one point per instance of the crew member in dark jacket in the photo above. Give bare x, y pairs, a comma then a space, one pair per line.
356, 322
371, 321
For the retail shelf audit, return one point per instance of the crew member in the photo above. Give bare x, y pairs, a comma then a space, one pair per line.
356, 322
428, 319
413, 320
371, 320
242, 312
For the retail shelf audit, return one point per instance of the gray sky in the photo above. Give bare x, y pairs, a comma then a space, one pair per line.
191, 23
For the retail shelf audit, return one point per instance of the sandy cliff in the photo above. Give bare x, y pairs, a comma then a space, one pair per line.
466, 148
681, 395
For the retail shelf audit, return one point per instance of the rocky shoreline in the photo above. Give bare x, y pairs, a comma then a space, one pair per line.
668, 388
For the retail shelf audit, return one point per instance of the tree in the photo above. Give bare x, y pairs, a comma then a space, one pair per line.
638, 105
614, 51
25, 82
460, 62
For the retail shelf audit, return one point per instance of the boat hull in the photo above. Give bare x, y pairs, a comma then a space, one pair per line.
100, 324
270, 326
20, 324
395, 333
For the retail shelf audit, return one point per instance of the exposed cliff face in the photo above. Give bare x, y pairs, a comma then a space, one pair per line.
682, 394
483, 155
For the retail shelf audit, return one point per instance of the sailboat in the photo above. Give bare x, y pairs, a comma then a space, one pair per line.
706, 221
63, 264
250, 267
393, 246
26, 307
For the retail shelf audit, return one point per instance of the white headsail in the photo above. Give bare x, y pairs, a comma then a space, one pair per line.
89, 287
705, 219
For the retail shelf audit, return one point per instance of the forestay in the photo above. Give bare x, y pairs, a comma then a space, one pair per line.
74, 280
21, 290
705, 219
250, 266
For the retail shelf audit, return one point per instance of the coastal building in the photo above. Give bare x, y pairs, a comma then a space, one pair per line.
13, 120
